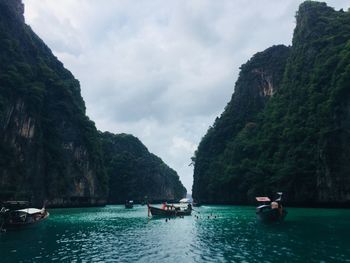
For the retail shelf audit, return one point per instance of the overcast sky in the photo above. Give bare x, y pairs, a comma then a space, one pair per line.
161, 70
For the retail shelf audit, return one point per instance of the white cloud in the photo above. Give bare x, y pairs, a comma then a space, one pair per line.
160, 69
181, 145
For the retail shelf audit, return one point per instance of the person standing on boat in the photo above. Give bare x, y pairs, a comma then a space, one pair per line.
164, 205
274, 205
189, 207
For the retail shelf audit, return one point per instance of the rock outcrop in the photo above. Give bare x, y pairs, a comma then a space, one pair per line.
49, 149
259, 79
135, 173
286, 128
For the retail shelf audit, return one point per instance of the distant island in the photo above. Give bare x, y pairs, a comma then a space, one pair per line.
287, 126
49, 149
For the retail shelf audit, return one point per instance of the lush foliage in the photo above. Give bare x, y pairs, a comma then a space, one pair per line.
137, 174
43, 122
49, 149
296, 141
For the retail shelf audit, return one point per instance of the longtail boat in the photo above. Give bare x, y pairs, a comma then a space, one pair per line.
13, 218
196, 204
169, 210
273, 212
129, 204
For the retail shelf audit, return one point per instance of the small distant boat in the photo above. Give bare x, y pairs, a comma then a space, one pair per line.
13, 218
129, 204
185, 201
196, 204
273, 212
188, 201
170, 210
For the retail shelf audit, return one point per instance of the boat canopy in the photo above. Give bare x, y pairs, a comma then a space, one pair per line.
30, 211
263, 199
263, 206
184, 200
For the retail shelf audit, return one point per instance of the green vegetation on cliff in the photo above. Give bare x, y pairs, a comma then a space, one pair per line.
49, 149
135, 173
293, 138
48, 146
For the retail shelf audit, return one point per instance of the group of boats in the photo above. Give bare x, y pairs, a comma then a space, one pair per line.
267, 212
17, 214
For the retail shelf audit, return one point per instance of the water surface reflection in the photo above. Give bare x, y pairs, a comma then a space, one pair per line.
212, 234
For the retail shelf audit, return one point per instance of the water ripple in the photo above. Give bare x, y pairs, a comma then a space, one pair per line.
213, 234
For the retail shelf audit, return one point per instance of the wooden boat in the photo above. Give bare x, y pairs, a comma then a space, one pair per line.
273, 212
196, 204
129, 204
17, 218
169, 211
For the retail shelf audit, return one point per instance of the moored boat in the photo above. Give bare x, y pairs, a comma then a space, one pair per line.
196, 204
273, 212
13, 218
129, 204
170, 210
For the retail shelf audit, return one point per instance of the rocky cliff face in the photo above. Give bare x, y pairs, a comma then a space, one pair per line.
259, 79
286, 128
135, 173
49, 149
48, 146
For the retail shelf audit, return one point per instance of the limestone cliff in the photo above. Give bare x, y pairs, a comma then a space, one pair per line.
258, 80
47, 145
295, 141
49, 149
135, 173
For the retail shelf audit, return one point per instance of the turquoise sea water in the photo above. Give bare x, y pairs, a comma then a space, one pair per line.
116, 234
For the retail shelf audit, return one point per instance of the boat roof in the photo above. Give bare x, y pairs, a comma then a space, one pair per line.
259, 207
181, 205
185, 200
262, 199
30, 211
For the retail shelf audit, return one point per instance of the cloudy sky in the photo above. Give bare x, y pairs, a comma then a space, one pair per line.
161, 70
